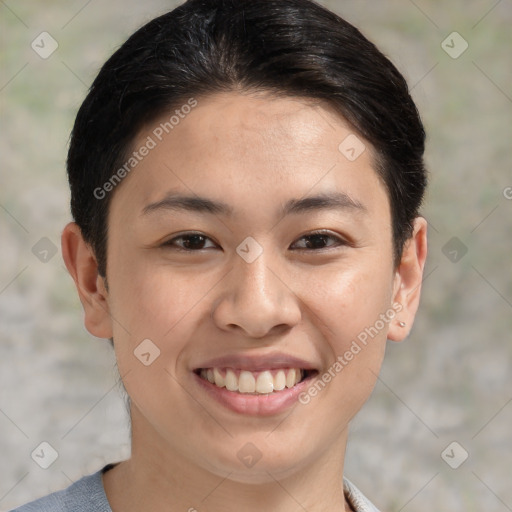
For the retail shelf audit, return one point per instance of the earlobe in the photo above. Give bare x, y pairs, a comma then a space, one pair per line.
408, 279
83, 268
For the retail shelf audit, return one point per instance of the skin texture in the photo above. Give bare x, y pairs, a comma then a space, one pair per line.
253, 152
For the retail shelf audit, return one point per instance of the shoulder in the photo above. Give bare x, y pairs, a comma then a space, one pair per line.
85, 495
357, 499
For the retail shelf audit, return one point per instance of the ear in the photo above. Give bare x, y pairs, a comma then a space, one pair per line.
408, 279
81, 264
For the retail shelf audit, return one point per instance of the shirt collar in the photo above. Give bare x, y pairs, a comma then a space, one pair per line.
359, 502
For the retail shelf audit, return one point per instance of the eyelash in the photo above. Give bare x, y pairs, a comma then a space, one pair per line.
339, 241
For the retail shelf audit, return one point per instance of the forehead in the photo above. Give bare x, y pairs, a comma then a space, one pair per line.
249, 150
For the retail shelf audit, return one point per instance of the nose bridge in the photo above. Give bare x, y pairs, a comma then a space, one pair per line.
256, 298
255, 284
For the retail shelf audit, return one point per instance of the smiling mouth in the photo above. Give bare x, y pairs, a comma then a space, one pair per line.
247, 382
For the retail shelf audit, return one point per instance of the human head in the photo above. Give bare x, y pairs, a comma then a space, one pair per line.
262, 126
293, 48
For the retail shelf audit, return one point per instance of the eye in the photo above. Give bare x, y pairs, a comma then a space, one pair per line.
194, 242
190, 242
319, 240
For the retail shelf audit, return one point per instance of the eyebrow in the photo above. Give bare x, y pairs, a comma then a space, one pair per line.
325, 201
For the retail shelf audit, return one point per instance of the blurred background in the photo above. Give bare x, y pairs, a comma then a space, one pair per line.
436, 433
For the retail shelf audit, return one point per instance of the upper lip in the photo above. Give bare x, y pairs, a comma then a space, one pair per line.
257, 362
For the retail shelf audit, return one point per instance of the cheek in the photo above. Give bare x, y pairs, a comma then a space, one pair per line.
150, 299
148, 302
349, 298
151, 302
352, 303
347, 305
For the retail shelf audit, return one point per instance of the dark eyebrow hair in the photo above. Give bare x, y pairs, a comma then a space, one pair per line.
324, 201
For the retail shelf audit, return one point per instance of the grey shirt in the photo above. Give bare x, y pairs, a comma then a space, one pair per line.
88, 495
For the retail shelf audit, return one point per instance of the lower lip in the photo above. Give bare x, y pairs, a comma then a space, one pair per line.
254, 405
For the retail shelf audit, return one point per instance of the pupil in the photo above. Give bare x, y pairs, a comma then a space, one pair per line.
317, 237
194, 240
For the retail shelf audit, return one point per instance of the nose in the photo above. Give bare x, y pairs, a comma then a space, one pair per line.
256, 300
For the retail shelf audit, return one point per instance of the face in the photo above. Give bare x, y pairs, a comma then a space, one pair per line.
247, 249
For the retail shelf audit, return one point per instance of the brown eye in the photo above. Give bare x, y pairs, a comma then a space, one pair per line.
321, 240
188, 242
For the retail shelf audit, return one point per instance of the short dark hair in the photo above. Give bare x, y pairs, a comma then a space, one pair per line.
294, 48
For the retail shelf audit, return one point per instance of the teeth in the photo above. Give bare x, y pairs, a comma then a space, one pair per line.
265, 382
244, 381
219, 379
231, 381
280, 380
290, 378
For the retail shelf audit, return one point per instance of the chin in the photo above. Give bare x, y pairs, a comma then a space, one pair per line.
252, 466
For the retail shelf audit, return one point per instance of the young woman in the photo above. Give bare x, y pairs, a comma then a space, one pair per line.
246, 179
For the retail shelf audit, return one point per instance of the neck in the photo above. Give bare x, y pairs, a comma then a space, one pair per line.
159, 478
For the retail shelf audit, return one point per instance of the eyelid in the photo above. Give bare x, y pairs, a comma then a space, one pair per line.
169, 243
340, 241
